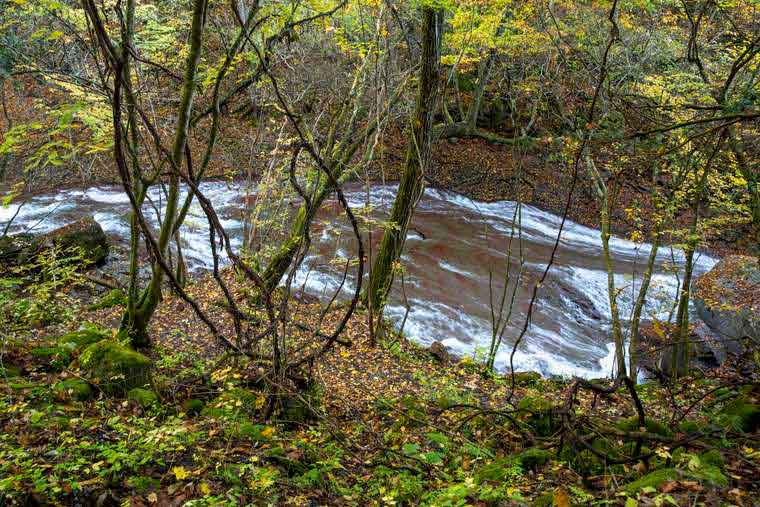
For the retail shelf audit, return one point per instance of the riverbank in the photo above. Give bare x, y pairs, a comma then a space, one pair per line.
384, 425
488, 172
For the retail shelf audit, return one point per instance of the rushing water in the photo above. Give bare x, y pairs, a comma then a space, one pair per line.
454, 266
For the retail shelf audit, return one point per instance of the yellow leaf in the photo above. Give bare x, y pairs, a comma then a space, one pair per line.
180, 473
153, 498
205, 489
267, 432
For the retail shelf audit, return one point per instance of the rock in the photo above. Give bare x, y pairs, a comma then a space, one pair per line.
114, 367
728, 301
439, 352
76, 389
143, 397
87, 334
85, 234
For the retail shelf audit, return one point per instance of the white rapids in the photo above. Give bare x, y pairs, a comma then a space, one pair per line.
453, 245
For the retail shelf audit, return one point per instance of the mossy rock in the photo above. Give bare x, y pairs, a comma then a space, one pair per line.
115, 368
115, 297
87, 334
54, 357
193, 406
534, 458
741, 414
143, 397
541, 415
650, 425
75, 389
652, 480
84, 234
526, 378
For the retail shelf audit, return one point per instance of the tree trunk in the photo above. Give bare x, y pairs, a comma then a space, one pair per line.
143, 311
417, 160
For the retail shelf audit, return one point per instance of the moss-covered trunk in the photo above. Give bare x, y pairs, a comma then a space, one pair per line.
136, 324
417, 159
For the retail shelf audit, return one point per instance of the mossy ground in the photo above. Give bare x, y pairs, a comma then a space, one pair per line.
386, 425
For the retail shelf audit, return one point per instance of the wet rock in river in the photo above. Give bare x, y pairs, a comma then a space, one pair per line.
727, 299
84, 234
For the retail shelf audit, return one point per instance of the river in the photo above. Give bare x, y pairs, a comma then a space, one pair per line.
455, 258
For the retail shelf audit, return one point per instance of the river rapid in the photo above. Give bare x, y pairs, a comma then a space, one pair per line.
455, 261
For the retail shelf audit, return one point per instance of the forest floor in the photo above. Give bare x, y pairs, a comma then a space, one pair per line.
384, 425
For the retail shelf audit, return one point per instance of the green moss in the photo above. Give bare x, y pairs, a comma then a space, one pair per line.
87, 334
527, 378
652, 480
233, 404
651, 426
9, 370
688, 427
55, 358
144, 397
498, 471
741, 414
708, 474
714, 458
114, 367
76, 389
534, 457
540, 415
115, 297
251, 431
192, 406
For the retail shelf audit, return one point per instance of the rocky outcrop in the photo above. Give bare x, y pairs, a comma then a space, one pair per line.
84, 235
727, 299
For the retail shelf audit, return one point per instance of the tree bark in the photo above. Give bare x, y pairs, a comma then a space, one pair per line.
417, 160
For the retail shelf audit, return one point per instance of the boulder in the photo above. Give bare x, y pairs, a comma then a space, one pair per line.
116, 369
728, 300
84, 234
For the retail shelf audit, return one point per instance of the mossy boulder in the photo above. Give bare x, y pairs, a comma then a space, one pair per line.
741, 414
115, 368
74, 389
143, 397
534, 458
52, 357
84, 236
705, 473
540, 415
499, 470
87, 334
114, 297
